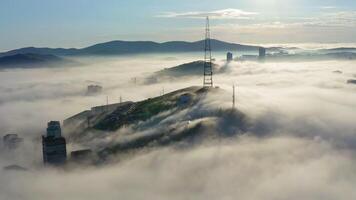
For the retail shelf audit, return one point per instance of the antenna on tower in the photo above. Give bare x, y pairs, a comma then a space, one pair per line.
208, 70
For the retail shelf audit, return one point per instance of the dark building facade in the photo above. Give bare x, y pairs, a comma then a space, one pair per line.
85, 156
94, 89
229, 57
262, 53
54, 145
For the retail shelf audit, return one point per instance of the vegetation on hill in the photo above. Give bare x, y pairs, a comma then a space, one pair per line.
146, 109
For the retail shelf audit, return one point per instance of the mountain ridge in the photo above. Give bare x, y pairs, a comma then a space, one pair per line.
28, 60
119, 47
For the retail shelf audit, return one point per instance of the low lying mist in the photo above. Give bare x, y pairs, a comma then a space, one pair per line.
300, 143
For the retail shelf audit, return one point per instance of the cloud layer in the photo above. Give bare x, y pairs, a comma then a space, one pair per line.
229, 13
325, 26
301, 145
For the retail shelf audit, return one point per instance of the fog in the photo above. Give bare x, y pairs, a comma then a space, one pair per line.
301, 143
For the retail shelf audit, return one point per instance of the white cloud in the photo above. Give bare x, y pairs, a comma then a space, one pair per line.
229, 13
327, 26
328, 7
326, 19
344, 18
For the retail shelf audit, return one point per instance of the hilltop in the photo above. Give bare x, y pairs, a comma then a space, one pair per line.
187, 69
176, 118
195, 68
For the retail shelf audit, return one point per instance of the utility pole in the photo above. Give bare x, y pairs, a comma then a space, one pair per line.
88, 120
233, 96
208, 69
107, 103
120, 99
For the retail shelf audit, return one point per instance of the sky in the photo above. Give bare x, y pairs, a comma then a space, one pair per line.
80, 23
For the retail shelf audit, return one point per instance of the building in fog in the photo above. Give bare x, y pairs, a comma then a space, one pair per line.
54, 129
262, 53
54, 145
94, 89
229, 57
85, 156
12, 141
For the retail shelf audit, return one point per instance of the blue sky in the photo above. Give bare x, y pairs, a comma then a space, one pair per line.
79, 23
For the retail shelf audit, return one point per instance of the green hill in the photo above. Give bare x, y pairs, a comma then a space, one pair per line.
175, 118
188, 69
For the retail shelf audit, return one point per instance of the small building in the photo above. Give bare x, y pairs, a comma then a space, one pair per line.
54, 145
229, 57
94, 89
351, 81
82, 156
262, 53
12, 141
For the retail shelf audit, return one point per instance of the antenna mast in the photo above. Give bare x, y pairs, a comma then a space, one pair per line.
208, 70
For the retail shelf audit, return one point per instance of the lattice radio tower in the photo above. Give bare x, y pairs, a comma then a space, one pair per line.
208, 69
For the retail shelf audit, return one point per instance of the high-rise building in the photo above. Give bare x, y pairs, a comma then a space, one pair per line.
262, 53
54, 129
54, 145
229, 57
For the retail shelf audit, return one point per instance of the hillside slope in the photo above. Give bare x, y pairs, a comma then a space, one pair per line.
30, 60
177, 118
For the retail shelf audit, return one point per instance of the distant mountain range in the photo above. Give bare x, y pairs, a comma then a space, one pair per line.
29, 60
134, 47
